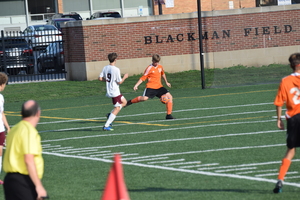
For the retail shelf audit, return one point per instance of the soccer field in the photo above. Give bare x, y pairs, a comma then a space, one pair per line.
224, 144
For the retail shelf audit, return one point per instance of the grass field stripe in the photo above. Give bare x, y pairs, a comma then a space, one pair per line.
166, 161
93, 152
275, 174
210, 150
142, 132
235, 169
141, 114
175, 140
203, 165
176, 169
123, 155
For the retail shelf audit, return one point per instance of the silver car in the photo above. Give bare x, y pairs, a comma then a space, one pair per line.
41, 35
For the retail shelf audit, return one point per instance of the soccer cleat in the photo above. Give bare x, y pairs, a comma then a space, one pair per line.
107, 116
1, 182
278, 187
170, 117
107, 128
128, 103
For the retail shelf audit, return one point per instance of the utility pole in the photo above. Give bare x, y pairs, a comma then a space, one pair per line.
200, 44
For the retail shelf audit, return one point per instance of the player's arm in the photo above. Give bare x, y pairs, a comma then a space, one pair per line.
5, 122
102, 79
123, 79
137, 84
30, 164
166, 81
280, 124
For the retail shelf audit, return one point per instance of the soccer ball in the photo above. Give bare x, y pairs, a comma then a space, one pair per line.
164, 99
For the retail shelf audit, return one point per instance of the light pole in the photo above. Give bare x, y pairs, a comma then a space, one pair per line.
200, 44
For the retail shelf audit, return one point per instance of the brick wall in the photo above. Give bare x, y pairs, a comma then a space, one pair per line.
92, 43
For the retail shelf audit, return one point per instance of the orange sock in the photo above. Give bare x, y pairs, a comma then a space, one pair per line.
285, 165
136, 99
169, 106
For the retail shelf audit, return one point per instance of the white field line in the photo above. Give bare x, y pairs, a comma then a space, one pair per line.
156, 121
166, 161
123, 155
257, 171
159, 130
203, 165
291, 177
175, 111
93, 152
183, 163
177, 169
169, 140
236, 169
150, 159
274, 174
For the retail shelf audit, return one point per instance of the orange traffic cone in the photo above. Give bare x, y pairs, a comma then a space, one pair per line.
115, 188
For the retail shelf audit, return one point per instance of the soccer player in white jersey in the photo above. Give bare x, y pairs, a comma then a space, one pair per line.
3, 121
112, 76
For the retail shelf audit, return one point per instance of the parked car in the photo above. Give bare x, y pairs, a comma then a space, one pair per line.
105, 15
52, 58
74, 15
56, 22
16, 56
41, 35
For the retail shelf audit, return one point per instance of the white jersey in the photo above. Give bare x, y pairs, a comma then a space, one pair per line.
113, 76
2, 128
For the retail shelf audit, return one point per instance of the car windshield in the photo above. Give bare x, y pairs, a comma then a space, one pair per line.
115, 15
13, 43
44, 28
77, 17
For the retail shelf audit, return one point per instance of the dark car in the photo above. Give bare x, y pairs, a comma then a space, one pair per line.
16, 56
52, 58
74, 15
56, 22
105, 15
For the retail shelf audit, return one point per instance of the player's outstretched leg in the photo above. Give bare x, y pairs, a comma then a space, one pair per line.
128, 103
278, 187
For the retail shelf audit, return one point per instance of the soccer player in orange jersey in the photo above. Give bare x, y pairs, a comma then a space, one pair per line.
154, 87
289, 94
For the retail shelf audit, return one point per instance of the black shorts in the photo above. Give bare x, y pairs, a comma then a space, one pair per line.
293, 132
150, 93
19, 187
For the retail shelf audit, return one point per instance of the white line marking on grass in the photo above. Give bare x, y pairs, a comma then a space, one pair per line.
55, 149
158, 158
93, 152
123, 155
291, 177
183, 163
235, 169
163, 130
250, 164
51, 146
106, 154
154, 113
177, 169
274, 174
166, 161
203, 165
257, 171
80, 151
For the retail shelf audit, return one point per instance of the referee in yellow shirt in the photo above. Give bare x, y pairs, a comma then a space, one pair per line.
23, 160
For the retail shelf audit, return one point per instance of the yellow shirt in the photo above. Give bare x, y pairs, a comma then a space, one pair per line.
23, 139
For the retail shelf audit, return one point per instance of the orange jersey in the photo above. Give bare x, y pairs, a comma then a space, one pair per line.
289, 94
153, 75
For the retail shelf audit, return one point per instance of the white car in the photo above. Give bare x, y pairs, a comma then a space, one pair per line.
41, 35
